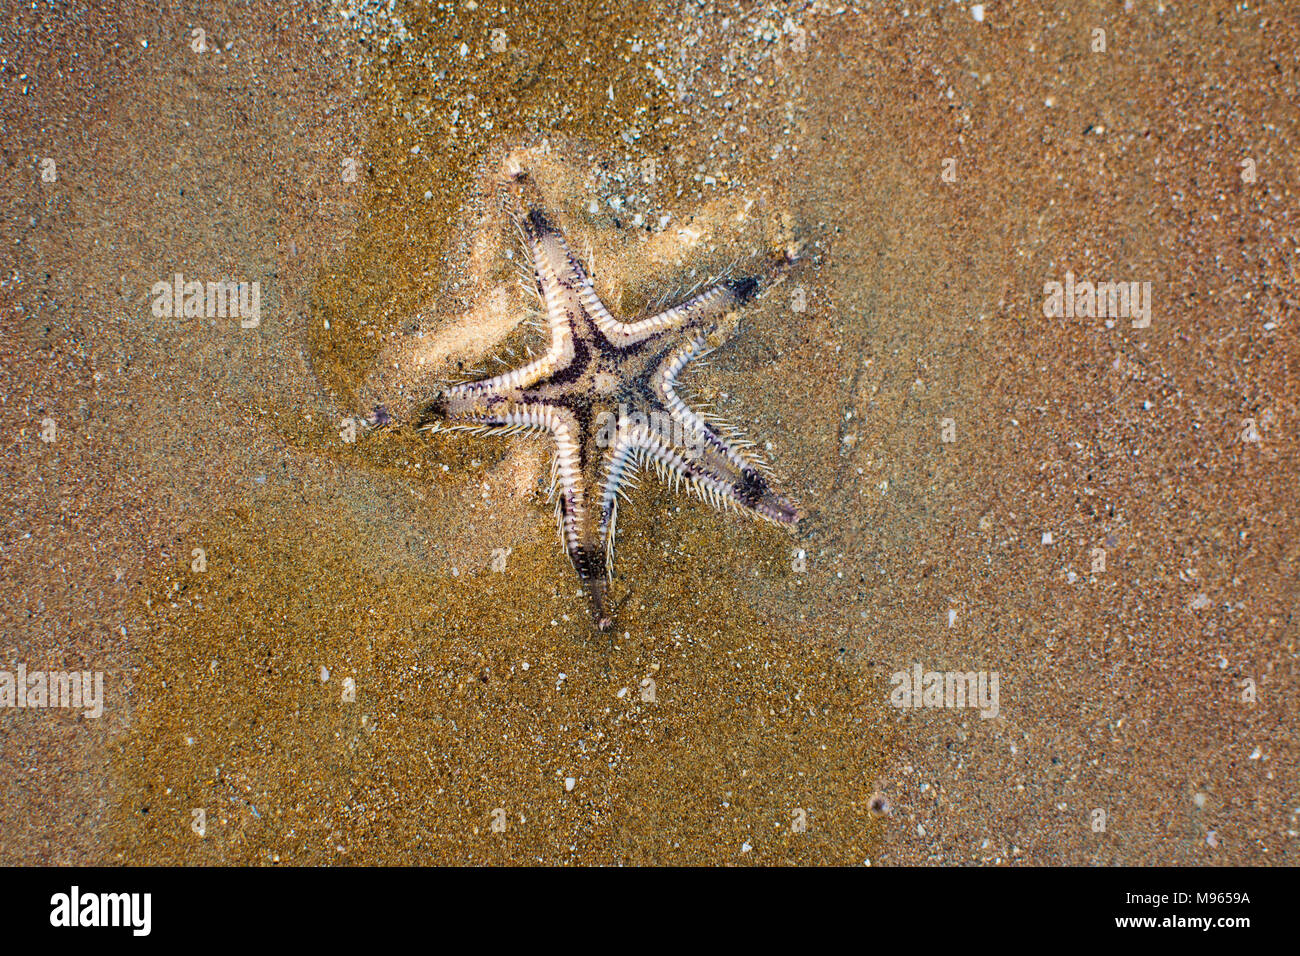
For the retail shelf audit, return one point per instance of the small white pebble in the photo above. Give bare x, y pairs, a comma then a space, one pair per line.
324, 673
569, 784
977, 11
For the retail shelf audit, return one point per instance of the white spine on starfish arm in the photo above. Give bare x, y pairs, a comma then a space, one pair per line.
595, 308
514, 419
619, 472
665, 382
547, 250
718, 490
571, 507
707, 304
557, 357
579, 283
516, 378
611, 532
561, 274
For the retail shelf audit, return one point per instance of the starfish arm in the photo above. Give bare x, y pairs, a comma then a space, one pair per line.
464, 394
699, 310
620, 474
463, 409
563, 283
744, 490
581, 529
664, 385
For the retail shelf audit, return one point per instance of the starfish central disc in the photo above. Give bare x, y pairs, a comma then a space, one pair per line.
605, 383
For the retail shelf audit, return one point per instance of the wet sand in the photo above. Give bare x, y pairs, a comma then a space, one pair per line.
741, 712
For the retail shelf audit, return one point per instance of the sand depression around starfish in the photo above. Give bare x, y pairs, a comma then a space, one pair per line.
606, 392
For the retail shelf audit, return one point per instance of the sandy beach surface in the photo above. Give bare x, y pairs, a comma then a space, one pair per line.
320, 650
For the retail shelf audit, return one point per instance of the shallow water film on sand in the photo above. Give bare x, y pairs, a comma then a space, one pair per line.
322, 319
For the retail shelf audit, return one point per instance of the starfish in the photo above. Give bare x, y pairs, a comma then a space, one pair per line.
606, 392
